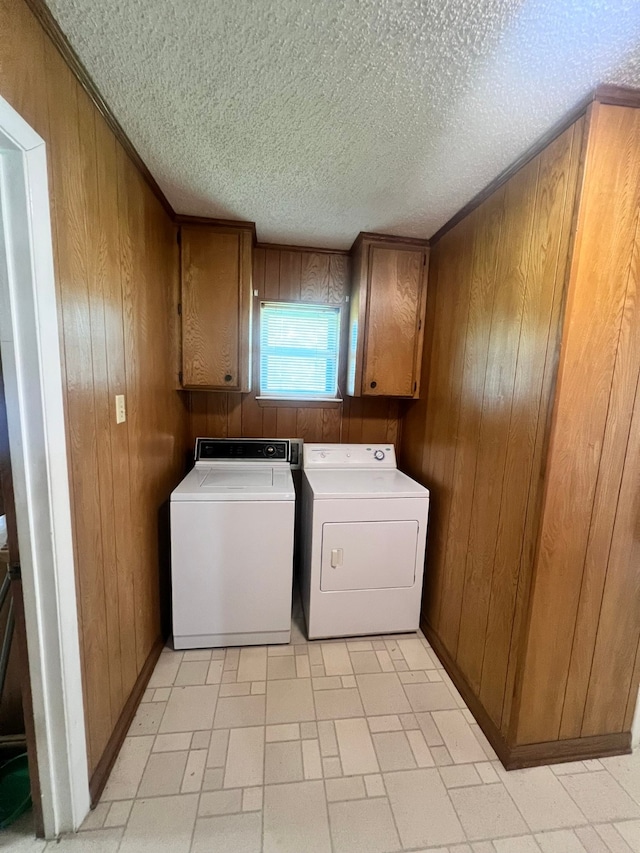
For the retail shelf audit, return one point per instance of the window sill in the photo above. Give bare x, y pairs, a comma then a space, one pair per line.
299, 403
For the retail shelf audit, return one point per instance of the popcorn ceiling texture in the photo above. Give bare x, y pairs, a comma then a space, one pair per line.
322, 118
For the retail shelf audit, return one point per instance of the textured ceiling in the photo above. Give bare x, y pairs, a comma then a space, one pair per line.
322, 118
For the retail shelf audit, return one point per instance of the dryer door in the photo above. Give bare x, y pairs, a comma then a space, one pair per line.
368, 555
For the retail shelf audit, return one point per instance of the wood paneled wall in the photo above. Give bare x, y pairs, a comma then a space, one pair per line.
305, 276
477, 436
582, 649
116, 274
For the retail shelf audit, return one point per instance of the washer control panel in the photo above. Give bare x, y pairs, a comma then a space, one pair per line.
243, 449
349, 456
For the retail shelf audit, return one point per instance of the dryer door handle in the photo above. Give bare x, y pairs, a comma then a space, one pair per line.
336, 557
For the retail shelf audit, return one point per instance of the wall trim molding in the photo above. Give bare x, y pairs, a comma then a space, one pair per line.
51, 27
103, 769
526, 755
285, 247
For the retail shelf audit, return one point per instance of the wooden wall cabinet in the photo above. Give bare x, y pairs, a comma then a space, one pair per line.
529, 439
215, 263
386, 321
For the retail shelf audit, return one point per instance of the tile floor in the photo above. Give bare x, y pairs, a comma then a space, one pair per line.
356, 746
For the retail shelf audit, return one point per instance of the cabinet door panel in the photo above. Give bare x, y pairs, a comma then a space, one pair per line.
395, 282
211, 308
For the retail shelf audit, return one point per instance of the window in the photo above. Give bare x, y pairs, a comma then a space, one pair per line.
299, 347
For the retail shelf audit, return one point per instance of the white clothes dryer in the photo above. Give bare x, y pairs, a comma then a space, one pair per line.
232, 534
364, 528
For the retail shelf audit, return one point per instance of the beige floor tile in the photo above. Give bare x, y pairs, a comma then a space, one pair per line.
317, 671
458, 737
347, 788
523, 844
487, 772
559, 841
433, 675
388, 723
201, 740
600, 797
364, 662
290, 701
360, 645
393, 648
197, 654
415, 654
431, 696
357, 753
386, 664
382, 693
609, 836
422, 810
336, 659
214, 673
400, 666
630, 831
327, 737
218, 748
165, 671
280, 651
416, 676
295, 819
421, 751
480, 736
331, 767
409, 721
258, 688
189, 709
230, 676
625, 769
245, 758
161, 825
363, 826
393, 751
569, 768
374, 785
96, 817
213, 779
429, 729
231, 659
147, 696
348, 681
282, 667
283, 762
542, 800
95, 841
240, 833
194, 771
118, 813
338, 704
303, 669
163, 774
220, 802
147, 719
218, 654
327, 682
226, 690
487, 811
460, 775
284, 731
315, 654
161, 694
252, 664
191, 673
236, 711
592, 842
311, 759
441, 756
128, 769
252, 799
309, 730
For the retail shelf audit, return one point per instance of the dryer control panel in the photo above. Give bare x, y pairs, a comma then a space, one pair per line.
349, 456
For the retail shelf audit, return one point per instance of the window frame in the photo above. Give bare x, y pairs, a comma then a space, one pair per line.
268, 399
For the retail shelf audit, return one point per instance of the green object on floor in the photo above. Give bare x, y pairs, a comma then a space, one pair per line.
15, 789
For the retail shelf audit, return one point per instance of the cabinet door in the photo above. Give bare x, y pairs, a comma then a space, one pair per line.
394, 321
216, 302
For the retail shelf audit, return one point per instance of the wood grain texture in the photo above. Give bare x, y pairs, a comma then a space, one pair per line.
116, 265
494, 303
587, 458
306, 276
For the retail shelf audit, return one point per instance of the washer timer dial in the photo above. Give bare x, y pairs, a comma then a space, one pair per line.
378, 454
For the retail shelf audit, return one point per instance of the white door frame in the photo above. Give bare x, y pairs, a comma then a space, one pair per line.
30, 347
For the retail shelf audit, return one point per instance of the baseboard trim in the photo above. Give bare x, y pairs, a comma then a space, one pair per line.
104, 766
532, 754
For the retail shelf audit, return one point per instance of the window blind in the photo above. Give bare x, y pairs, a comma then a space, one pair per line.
299, 346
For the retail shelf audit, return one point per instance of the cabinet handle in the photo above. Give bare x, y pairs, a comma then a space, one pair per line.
228, 377
373, 384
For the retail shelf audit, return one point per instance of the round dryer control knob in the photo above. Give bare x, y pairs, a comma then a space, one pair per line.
269, 450
378, 454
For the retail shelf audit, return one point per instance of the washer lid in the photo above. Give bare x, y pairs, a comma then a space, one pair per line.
359, 483
242, 482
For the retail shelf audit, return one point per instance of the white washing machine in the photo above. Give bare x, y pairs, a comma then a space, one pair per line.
364, 536
232, 533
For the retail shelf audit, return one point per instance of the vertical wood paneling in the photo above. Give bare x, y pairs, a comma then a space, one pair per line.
305, 276
115, 264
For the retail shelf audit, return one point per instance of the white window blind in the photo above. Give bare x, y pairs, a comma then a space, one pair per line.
299, 346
